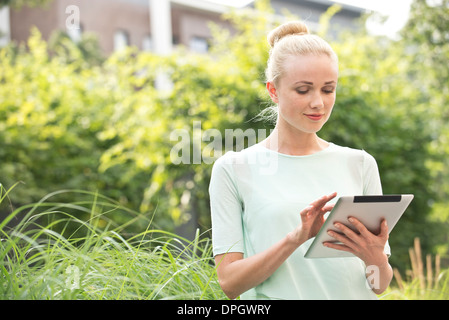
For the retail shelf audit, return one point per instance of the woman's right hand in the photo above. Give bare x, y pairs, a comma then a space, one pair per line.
312, 219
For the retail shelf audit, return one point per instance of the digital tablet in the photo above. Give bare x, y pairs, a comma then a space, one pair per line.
370, 210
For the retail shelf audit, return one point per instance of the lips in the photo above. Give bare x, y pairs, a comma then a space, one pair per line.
315, 117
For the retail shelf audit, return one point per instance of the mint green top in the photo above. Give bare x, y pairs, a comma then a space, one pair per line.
256, 196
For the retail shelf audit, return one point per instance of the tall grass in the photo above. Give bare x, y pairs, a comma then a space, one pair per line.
425, 280
54, 254
96, 261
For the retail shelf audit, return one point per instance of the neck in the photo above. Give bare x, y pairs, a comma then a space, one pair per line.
294, 142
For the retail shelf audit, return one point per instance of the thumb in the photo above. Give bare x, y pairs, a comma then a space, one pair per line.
328, 207
384, 229
306, 210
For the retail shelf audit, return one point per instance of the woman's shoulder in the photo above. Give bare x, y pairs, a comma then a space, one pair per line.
251, 159
356, 156
350, 151
228, 159
243, 156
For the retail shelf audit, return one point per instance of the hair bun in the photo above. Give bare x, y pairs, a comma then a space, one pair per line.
286, 29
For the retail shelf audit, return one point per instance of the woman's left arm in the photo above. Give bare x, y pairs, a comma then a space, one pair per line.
367, 246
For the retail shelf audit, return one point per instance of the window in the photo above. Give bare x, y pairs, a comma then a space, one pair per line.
199, 44
121, 40
147, 43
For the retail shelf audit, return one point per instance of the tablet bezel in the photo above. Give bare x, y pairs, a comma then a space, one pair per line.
369, 209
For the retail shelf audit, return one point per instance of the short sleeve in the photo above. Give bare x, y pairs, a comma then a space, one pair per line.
372, 183
371, 179
226, 208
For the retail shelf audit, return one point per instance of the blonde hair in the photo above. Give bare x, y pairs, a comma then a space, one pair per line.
293, 38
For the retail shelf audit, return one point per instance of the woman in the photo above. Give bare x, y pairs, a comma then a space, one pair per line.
263, 221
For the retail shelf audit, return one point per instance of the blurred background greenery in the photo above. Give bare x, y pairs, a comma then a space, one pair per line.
73, 119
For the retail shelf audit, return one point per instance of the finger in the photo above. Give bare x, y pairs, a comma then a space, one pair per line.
319, 205
328, 207
346, 241
323, 200
348, 232
305, 211
337, 246
384, 229
331, 196
360, 227
319, 202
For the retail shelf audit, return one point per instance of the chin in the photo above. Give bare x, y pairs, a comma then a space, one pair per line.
312, 129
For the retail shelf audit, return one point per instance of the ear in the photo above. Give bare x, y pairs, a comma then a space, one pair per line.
272, 92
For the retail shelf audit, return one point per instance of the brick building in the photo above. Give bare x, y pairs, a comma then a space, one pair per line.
130, 22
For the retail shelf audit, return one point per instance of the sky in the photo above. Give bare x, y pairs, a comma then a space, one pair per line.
396, 10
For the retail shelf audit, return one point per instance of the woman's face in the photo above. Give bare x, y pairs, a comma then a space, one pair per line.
305, 93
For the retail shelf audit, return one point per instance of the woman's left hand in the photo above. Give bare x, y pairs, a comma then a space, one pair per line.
364, 244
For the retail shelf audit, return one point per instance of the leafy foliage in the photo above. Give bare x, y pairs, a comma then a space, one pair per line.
21, 3
50, 117
426, 35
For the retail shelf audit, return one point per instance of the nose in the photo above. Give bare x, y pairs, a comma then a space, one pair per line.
317, 101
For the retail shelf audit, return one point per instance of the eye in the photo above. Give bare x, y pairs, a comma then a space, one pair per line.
302, 90
328, 90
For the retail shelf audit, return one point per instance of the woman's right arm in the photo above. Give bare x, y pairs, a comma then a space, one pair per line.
237, 274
